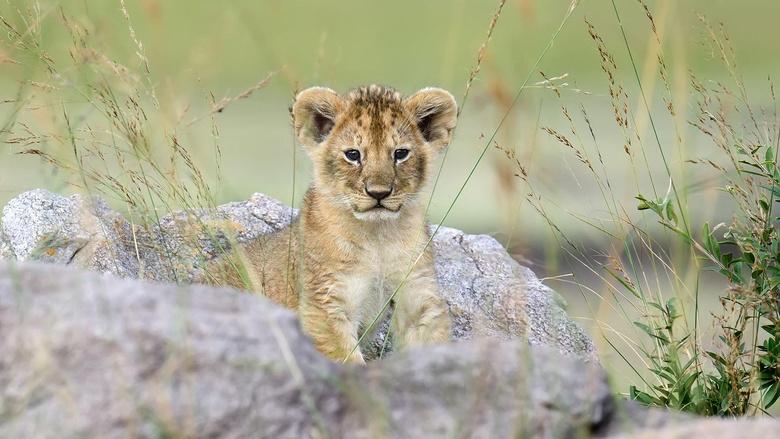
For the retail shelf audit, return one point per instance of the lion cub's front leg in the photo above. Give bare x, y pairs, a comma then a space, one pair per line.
421, 315
325, 318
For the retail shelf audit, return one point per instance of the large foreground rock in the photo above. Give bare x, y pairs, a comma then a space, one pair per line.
86, 355
713, 428
489, 294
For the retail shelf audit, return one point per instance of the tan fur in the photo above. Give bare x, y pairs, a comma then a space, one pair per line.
343, 258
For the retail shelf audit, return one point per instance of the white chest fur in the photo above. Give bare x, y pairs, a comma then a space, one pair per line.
382, 265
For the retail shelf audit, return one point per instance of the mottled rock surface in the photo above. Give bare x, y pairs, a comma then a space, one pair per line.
89, 355
488, 292
712, 428
85, 355
5, 250
40, 225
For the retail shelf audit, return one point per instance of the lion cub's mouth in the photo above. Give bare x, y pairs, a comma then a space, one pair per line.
378, 212
380, 206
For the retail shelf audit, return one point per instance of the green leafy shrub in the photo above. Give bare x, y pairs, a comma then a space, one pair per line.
739, 372
746, 370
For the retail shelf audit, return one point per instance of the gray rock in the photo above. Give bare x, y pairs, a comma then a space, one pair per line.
90, 355
87, 355
711, 429
484, 388
5, 249
489, 293
41, 226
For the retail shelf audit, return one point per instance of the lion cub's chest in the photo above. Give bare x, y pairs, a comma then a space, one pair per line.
378, 270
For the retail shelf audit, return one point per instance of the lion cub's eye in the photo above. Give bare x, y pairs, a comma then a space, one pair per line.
400, 154
353, 155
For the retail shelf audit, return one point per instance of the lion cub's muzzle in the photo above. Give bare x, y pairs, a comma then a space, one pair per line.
379, 194
379, 204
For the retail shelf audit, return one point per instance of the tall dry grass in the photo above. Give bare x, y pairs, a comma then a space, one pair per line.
109, 131
652, 277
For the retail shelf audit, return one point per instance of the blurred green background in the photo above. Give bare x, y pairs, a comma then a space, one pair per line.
198, 49
195, 48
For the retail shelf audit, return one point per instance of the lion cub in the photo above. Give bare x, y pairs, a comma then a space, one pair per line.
362, 226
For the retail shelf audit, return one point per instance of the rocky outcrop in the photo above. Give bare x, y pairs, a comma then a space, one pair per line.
88, 355
713, 428
42, 226
5, 250
489, 293
84, 354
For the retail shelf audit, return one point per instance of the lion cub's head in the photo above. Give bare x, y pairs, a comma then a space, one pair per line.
373, 150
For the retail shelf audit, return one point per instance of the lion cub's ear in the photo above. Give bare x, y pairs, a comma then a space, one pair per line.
314, 114
435, 112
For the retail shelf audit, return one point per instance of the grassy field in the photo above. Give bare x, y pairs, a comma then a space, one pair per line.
250, 57
224, 49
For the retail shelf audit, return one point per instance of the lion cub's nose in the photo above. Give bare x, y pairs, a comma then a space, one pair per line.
378, 193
